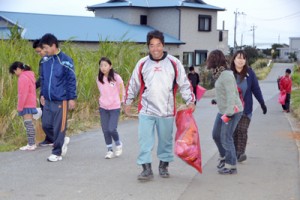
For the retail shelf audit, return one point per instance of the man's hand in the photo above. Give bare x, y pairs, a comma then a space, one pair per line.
264, 108
42, 100
127, 109
72, 104
192, 106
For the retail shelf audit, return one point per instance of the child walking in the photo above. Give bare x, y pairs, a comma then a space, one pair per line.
26, 100
111, 88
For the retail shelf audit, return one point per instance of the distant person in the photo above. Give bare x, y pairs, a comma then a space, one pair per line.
58, 95
248, 86
285, 85
112, 92
155, 78
194, 79
26, 100
230, 111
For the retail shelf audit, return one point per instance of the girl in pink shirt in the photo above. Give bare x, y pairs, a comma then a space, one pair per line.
112, 92
26, 100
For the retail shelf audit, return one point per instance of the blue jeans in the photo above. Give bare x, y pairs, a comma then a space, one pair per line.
164, 128
223, 136
109, 123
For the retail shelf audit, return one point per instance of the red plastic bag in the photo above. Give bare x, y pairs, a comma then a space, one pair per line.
281, 98
187, 142
200, 92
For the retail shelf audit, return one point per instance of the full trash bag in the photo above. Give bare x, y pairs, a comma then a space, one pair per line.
187, 142
281, 98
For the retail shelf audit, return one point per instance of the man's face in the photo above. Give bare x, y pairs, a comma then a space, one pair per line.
156, 48
40, 51
50, 50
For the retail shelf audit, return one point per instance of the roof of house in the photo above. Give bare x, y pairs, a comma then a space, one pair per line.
156, 4
76, 28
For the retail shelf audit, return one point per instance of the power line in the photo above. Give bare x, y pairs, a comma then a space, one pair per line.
278, 18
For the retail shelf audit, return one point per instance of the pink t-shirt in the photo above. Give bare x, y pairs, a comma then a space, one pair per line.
111, 93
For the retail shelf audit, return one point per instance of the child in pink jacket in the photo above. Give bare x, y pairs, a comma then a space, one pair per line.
112, 92
26, 100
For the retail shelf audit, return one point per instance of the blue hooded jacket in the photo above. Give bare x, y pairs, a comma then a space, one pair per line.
252, 88
58, 79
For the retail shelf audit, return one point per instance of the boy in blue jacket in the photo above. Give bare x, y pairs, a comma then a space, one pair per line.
58, 94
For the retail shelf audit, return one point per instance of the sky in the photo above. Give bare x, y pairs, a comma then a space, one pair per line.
262, 22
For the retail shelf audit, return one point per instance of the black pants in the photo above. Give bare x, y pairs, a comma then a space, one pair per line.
54, 123
286, 105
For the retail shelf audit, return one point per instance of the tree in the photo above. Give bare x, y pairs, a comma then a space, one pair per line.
252, 53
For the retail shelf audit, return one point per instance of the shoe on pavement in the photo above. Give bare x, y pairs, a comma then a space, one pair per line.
109, 155
119, 150
242, 157
45, 143
221, 163
28, 147
227, 171
64, 148
54, 158
147, 173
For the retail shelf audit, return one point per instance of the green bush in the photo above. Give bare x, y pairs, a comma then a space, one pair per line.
123, 56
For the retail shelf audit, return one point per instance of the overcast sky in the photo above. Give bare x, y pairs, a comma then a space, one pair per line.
274, 21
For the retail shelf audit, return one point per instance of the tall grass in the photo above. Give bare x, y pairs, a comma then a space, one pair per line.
123, 56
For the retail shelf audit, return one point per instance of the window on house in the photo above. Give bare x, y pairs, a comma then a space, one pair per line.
188, 58
204, 23
200, 57
143, 20
220, 36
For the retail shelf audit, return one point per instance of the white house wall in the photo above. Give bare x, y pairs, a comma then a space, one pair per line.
129, 15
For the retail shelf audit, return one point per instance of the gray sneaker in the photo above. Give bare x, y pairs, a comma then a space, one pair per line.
241, 157
64, 148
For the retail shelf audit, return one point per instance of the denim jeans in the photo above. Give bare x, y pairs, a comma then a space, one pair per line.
164, 128
223, 136
109, 123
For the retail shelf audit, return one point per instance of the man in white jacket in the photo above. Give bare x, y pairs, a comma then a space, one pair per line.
156, 78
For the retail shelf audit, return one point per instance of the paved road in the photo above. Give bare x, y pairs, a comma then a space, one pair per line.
271, 171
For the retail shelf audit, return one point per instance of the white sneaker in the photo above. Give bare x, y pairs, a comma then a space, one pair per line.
28, 147
54, 158
119, 150
109, 155
64, 148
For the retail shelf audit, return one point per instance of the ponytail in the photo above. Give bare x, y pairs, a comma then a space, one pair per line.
20, 65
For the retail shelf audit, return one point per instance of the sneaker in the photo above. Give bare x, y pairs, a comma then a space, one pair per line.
28, 147
227, 171
221, 163
242, 157
54, 158
64, 148
109, 155
119, 150
45, 143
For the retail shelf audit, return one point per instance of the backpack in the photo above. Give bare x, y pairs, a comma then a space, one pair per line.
142, 89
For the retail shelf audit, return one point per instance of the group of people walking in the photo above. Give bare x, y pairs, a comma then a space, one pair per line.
155, 80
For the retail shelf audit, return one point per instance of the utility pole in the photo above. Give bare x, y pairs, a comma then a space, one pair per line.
253, 29
236, 13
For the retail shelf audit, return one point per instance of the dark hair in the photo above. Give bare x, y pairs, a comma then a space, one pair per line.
49, 39
37, 43
288, 71
155, 34
216, 59
191, 68
244, 71
20, 65
110, 73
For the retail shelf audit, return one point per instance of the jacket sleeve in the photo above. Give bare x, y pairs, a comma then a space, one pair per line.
184, 85
23, 90
134, 84
231, 92
255, 88
71, 79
